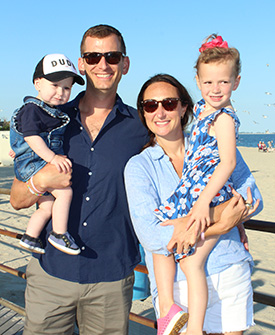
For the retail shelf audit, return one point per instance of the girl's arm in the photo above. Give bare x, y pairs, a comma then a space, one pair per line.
39, 146
224, 129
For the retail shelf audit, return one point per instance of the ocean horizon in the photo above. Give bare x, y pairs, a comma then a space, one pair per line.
252, 140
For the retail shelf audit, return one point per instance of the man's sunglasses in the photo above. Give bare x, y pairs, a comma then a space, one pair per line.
169, 104
112, 57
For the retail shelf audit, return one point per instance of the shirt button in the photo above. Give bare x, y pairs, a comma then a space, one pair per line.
81, 128
90, 173
92, 149
85, 224
87, 198
83, 248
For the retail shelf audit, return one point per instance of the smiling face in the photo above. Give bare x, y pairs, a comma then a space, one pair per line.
164, 124
54, 93
216, 82
103, 76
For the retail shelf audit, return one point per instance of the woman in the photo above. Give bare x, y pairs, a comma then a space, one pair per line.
150, 179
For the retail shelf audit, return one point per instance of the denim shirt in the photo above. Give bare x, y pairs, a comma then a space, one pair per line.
27, 162
150, 179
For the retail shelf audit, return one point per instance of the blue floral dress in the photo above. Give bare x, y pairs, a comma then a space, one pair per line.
201, 159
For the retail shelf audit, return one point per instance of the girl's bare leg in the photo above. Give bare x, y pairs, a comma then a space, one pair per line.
193, 268
41, 216
164, 268
61, 208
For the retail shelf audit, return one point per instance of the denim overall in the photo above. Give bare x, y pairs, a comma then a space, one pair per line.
27, 163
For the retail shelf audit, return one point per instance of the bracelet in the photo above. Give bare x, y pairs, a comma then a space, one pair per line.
37, 193
36, 190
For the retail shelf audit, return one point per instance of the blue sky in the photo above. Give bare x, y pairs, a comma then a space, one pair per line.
160, 35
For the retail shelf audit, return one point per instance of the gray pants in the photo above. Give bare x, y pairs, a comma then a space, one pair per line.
53, 305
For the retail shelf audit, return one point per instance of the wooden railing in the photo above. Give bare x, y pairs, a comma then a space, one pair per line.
257, 225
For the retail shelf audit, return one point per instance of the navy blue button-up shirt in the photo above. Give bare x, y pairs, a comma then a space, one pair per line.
99, 217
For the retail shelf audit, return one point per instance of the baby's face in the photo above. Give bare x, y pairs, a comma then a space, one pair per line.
54, 93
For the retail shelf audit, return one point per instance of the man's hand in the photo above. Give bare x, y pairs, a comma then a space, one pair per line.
47, 178
50, 178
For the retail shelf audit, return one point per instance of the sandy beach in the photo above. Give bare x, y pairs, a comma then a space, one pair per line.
261, 244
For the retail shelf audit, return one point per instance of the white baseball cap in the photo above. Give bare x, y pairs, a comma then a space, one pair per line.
55, 67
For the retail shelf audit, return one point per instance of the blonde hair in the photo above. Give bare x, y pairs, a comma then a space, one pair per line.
218, 54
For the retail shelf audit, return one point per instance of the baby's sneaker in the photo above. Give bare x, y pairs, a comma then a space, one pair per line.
32, 243
64, 242
172, 323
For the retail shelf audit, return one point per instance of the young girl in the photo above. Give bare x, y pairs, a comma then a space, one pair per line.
37, 130
208, 165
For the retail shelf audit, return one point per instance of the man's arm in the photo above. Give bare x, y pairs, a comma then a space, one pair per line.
48, 177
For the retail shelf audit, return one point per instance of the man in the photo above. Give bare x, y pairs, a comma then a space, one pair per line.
95, 287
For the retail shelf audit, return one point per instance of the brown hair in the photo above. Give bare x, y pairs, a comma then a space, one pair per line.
182, 93
218, 54
101, 31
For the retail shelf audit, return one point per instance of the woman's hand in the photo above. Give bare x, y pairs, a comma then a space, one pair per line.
224, 217
237, 211
182, 238
243, 236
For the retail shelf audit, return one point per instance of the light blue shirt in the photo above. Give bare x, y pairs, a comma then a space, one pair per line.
150, 179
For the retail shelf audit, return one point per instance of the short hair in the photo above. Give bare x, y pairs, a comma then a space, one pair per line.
101, 31
219, 55
182, 93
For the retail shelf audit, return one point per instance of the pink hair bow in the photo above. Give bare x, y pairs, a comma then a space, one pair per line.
217, 42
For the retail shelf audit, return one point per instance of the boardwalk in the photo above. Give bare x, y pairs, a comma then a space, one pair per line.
12, 287
11, 323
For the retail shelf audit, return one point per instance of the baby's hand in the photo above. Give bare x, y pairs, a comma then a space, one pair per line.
62, 163
200, 216
12, 154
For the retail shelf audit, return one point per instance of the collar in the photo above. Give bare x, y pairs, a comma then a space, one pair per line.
158, 153
119, 105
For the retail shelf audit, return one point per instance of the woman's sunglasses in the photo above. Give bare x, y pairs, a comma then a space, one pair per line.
151, 105
112, 57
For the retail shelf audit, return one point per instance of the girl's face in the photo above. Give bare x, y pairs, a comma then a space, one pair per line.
216, 82
163, 123
54, 93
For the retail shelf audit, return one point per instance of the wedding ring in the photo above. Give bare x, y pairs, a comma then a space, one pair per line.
185, 251
248, 205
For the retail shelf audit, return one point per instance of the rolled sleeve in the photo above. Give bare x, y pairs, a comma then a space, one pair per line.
143, 198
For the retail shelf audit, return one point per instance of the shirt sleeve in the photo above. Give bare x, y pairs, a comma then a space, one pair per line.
30, 120
242, 179
143, 198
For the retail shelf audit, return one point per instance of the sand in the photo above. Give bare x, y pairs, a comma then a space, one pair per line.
261, 244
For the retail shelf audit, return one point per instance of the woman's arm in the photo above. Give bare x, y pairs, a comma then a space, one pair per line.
224, 217
143, 197
47, 177
245, 185
142, 187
